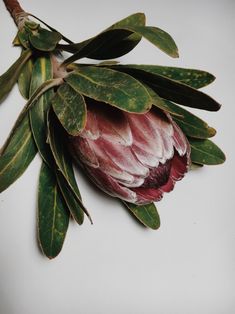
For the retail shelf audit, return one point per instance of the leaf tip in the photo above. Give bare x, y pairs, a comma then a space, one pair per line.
212, 131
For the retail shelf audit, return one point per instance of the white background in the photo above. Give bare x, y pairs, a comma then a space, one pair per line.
117, 266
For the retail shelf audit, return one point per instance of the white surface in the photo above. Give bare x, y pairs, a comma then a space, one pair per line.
116, 266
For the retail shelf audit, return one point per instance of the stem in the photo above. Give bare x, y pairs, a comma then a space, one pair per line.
15, 10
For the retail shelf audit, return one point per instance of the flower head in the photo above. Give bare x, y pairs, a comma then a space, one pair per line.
135, 157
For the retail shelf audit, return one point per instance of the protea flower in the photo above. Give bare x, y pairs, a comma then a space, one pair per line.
124, 123
135, 157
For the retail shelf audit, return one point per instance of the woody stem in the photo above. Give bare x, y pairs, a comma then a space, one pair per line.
15, 10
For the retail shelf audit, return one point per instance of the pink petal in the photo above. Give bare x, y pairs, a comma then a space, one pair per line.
179, 167
145, 196
144, 135
123, 157
136, 182
82, 150
145, 158
114, 126
160, 120
169, 186
168, 148
107, 165
180, 141
110, 186
91, 130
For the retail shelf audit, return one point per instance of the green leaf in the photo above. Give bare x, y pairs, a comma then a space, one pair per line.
9, 78
25, 78
51, 28
111, 43
16, 154
190, 124
146, 214
63, 160
73, 205
70, 108
112, 87
136, 19
36, 95
172, 90
44, 40
23, 36
42, 72
191, 77
157, 37
159, 102
205, 152
53, 217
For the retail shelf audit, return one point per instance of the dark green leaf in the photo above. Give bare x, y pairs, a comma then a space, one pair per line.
159, 102
157, 37
71, 201
146, 214
112, 87
70, 109
190, 124
191, 77
205, 152
172, 90
9, 78
111, 43
42, 72
53, 217
114, 47
44, 40
25, 79
63, 160
16, 154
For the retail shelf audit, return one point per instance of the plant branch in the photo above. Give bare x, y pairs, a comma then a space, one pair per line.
16, 11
